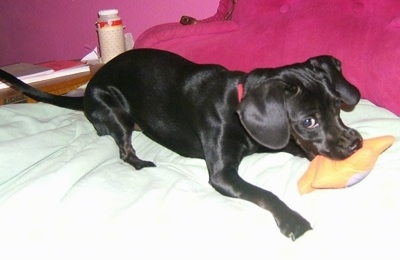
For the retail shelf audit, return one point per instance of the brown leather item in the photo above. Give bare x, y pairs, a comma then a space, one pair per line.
187, 20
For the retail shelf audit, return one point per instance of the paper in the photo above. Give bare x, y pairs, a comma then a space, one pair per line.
92, 58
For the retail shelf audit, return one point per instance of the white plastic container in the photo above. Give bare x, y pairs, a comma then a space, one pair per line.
111, 34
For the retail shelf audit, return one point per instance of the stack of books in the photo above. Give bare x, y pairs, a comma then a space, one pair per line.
30, 73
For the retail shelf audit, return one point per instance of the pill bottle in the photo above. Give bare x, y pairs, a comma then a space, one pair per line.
111, 34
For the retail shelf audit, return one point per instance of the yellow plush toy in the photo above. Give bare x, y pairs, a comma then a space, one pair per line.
324, 173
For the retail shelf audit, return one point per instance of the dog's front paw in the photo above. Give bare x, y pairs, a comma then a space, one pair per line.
292, 224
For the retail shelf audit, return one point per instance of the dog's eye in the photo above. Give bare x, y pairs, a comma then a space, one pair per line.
310, 123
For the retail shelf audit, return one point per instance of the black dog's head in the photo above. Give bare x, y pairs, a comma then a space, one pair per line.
302, 102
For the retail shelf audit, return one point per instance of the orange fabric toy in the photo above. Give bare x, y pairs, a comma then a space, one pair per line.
323, 173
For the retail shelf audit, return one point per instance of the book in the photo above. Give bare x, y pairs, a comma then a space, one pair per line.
57, 65
25, 70
49, 70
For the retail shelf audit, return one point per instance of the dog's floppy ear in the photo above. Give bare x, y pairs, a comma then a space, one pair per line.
348, 92
262, 113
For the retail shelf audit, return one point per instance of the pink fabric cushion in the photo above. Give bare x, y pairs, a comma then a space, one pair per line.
363, 34
168, 31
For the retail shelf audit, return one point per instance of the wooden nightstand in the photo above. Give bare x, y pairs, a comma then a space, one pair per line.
58, 86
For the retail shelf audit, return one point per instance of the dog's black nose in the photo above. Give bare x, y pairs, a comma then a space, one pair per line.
355, 145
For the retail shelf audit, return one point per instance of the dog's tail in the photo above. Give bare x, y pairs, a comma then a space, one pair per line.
75, 103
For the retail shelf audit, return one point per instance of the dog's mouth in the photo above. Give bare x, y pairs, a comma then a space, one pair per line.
343, 151
337, 151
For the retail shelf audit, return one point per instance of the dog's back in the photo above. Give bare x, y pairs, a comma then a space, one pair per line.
152, 86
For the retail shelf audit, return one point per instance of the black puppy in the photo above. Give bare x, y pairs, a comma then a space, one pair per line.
207, 111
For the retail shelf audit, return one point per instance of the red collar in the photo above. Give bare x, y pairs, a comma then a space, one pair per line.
240, 92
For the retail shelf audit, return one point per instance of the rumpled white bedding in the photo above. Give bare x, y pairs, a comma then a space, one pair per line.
65, 194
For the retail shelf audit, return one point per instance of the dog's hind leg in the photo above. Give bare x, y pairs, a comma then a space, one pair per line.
122, 137
110, 115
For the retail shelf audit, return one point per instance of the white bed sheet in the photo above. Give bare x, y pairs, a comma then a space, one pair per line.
65, 194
